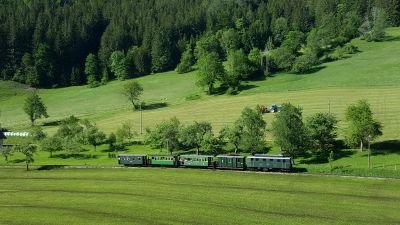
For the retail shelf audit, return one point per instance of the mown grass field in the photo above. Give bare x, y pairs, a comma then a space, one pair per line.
185, 196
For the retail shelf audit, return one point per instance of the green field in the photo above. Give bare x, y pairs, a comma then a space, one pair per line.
185, 196
372, 74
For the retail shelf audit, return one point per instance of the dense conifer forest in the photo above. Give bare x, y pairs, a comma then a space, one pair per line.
54, 43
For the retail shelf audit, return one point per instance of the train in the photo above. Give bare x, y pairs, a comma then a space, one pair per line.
258, 162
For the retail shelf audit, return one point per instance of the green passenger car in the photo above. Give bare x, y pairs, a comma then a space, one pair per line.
132, 159
265, 162
163, 160
196, 161
231, 162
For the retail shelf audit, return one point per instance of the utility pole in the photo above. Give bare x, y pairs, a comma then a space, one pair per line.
329, 106
167, 147
369, 151
141, 119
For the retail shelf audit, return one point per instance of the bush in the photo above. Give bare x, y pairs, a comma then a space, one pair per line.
187, 61
231, 91
282, 59
339, 53
305, 63
350, 49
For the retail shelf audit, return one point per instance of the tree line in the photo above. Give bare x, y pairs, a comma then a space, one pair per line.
295, 136
71, 42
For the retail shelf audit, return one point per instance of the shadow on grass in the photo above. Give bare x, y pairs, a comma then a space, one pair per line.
386, 147
245, 87
152, 106
340, 151
51, 167
17, 161
75, 156
313, 70
298, 169
391, 38
52, 123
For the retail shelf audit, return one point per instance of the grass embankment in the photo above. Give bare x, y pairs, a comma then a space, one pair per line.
175, 196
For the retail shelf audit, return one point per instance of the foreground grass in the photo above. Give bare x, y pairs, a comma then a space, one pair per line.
184, 196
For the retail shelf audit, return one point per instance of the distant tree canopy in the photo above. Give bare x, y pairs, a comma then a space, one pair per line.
47, 43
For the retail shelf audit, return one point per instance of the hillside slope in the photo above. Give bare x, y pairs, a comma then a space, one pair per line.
372, 74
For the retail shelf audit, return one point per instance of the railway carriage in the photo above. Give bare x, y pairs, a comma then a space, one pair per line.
132, 159
163, 160
203, 161
230, 162
265, 163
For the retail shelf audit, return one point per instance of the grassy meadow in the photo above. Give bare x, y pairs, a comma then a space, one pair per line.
175, 196
372, 74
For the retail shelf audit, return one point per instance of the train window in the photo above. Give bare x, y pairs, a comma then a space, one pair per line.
139, 158
256, 159
271, 160
278, 160
264, 160
252, 159
283, 160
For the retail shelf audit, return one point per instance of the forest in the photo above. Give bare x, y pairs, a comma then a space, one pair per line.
58, 43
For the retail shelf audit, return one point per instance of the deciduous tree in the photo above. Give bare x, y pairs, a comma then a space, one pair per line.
51, 145
322, 128
210, 70
119, 65
28, 150
193, 135
132, 91
253, 125
165, 134
362, 127
289, 131
35, 108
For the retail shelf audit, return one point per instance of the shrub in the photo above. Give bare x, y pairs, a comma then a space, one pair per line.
305, 63
282, 59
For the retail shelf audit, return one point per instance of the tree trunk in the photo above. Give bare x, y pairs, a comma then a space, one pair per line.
369, 155
210, 86
197, 151
27, 166
236, 149
361, 146
133, 106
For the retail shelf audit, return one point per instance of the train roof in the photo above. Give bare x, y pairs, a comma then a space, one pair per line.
168, 155
268, 157
230, 156
132, 155
196, 156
